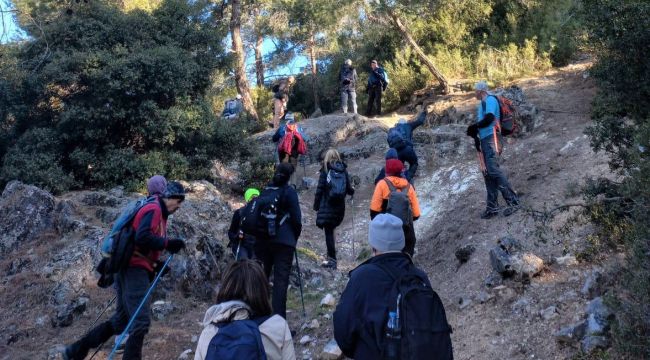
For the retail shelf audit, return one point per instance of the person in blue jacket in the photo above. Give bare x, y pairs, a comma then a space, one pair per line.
377, 83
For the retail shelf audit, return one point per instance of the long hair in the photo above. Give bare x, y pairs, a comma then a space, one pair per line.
331, 156
245, 281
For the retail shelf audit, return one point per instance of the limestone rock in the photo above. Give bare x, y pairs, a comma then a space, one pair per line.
591, 343
571, 333
328, 300
305, 339
567, 260
160, 309
308, 182
548, 313
65, 313
331, 351
592, 284
527, 265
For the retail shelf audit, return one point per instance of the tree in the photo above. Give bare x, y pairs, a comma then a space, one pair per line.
241, 80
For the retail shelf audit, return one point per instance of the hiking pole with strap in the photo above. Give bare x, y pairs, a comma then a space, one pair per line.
302, 297
237, 252
132, 320
354, 255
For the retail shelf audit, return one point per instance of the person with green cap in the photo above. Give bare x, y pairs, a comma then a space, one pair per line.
242, 245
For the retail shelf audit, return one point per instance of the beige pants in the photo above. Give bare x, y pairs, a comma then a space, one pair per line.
278, 112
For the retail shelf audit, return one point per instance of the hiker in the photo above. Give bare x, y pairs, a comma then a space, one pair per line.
281, 92
488, 144
348, 78
388, 198
372, 296
276, 252
243, 308
232, 108
132, 283
377, 83
329, 202
242, 245
400, 138
291, 144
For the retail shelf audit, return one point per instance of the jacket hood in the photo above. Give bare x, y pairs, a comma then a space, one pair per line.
397, 181
227, 311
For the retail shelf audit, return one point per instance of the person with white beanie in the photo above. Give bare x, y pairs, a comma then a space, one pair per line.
360, 319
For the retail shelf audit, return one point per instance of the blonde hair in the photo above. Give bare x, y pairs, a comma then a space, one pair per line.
331, 156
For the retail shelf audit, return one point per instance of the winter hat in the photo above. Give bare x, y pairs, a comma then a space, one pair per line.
394, 167
156, 185
481, 86
250, 194
386, 234
391, 154
174, 190
289, 118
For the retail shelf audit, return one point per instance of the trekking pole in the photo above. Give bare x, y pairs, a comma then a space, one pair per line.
132, 320
102, 313
302, 297
354, 255
237, 253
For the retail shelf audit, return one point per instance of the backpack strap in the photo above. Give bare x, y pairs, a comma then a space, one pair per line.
393, 188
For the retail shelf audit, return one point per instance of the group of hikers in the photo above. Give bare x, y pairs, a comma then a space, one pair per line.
388, 309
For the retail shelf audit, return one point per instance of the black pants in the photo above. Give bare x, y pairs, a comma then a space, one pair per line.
245, 247
409, 239
330, 241
374, 95
279, 258
131, 286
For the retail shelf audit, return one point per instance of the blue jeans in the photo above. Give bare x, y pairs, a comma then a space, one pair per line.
495, 179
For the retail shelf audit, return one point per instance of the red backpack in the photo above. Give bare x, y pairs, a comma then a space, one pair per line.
287, 143
507, 114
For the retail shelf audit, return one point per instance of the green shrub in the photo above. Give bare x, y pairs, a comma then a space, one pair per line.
258, 171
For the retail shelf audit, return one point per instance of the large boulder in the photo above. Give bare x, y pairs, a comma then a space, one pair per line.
25, 213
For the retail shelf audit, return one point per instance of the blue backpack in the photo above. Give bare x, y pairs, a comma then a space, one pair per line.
239, 339
396, 138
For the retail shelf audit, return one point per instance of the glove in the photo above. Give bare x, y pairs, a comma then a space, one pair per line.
472, 130
477, 144
316, 207
175, 245
157, 266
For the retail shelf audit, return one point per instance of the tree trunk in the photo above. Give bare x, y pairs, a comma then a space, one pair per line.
241, 81
314, 72
259, 62
421, 55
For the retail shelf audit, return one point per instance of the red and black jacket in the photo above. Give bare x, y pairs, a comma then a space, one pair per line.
150, 225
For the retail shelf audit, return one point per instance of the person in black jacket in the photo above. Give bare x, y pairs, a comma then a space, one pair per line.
361, 315
330, 212
242, 245
277, 253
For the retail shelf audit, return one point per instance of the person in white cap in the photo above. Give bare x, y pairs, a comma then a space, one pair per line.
488, 144
362, 314
348, 78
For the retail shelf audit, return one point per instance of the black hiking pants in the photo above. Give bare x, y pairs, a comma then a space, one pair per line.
374, 96
131, 286
409, 239
330, 241
277, 258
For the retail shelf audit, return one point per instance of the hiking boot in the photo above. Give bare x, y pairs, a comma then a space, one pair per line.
488, 214
511, 209
329, 264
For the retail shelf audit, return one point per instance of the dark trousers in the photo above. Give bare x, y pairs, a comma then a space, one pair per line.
279, 258
409, 239
330, 241
374, 95
131, 286
243, 249
495, 179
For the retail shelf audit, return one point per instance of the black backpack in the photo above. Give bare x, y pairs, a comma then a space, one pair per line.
260, 217
425, 332
337, 185
238, 339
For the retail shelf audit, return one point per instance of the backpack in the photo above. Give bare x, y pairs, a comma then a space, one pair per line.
399, 203
337, 185
239, 339
421, 319
292, 141
396, 138
507, 114
118, 246
259, 217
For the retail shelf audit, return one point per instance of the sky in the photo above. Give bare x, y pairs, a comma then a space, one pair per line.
9, 30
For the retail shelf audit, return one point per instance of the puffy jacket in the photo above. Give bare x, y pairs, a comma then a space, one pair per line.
276, 336
360, 316
330, 214
348, 78
150, 225
382, 192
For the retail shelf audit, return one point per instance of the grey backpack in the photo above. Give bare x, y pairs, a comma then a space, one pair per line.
398, 203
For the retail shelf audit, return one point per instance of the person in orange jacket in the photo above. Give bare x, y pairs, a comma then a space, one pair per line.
379, 202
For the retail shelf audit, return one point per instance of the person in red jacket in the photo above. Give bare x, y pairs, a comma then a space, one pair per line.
132, 283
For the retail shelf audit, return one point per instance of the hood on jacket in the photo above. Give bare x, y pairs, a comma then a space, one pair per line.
227, 311
399, 182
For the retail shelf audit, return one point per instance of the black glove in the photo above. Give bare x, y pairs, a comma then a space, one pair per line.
477, 144
175, 245
316, 207
472, 130
158, 265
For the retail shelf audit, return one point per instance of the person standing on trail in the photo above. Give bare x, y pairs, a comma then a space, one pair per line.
244, 295
281, 92
276, 252
291, 144
377, 83
374, 306
395, 195
329, 202
242, 245
488, 144
132, 283
348, 79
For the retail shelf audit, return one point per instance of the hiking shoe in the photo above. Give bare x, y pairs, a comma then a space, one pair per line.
488, 214
329, 264
511, 209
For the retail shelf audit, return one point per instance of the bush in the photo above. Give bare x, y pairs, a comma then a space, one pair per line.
257, 172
